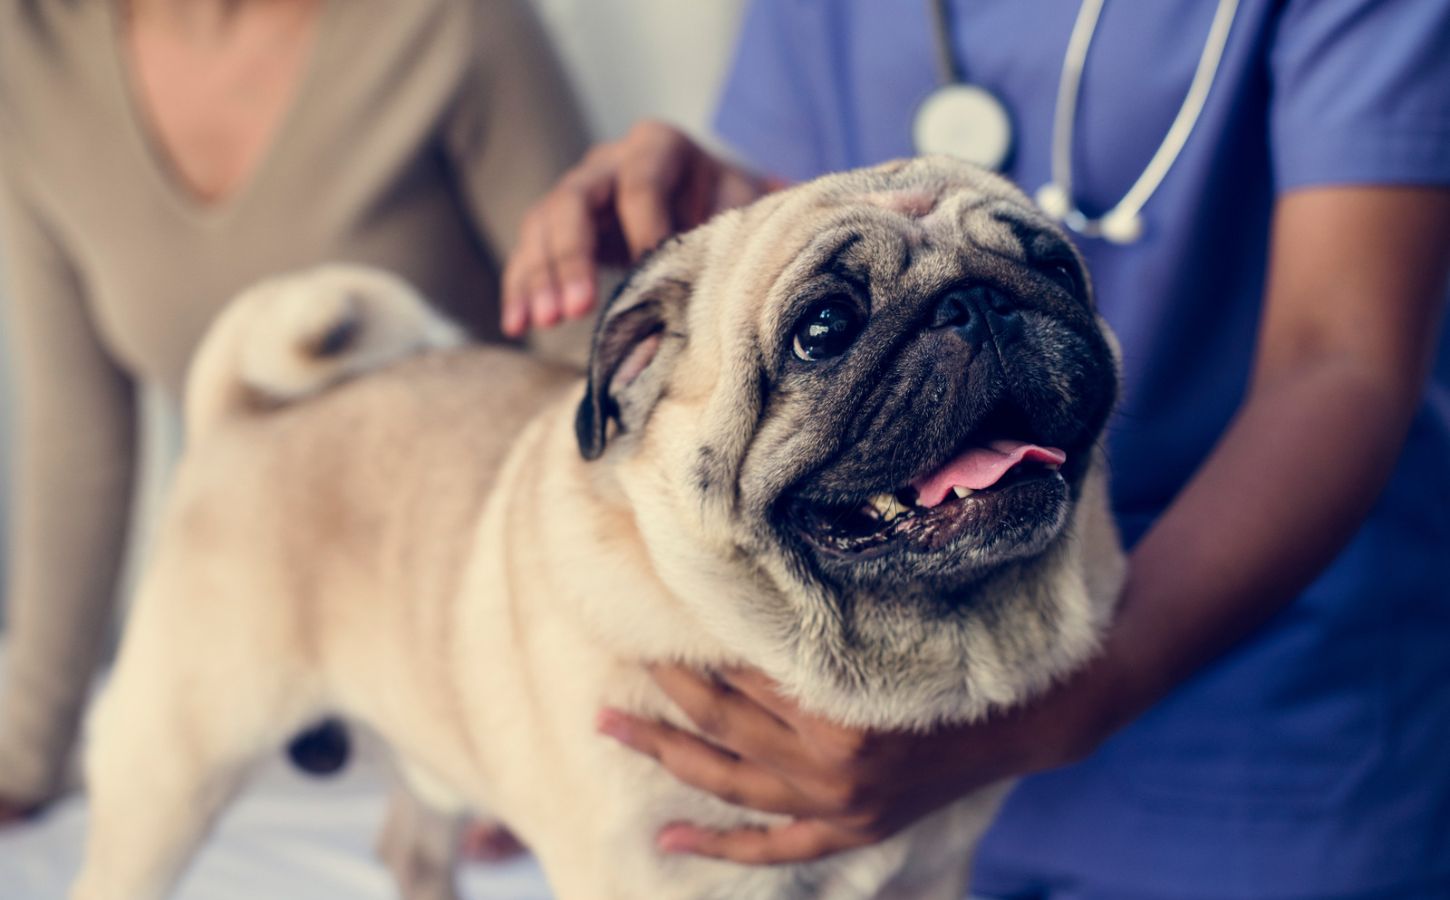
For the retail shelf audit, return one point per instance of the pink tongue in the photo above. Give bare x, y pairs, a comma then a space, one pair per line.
981, 467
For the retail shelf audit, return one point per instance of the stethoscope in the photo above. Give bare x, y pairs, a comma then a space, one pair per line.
969, 121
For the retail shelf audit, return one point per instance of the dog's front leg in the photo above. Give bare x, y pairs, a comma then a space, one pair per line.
159, 767
145, 824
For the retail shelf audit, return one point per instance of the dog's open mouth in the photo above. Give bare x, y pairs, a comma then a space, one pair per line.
993, 488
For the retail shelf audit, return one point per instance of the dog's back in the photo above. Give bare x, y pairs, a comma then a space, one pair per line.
341, 445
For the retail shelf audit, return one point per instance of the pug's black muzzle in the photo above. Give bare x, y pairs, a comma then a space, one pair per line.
981, 370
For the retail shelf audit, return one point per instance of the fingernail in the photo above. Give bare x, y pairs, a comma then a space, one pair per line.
577, 295
676, 839
546, 304
615, 724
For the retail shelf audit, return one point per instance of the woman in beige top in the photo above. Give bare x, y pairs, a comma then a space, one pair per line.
158, 155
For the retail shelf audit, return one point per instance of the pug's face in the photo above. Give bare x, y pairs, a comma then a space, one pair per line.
884, 390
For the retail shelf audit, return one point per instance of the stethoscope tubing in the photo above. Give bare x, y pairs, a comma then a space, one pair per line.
1122, 223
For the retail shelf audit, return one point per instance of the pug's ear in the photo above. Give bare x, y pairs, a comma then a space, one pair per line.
639, 333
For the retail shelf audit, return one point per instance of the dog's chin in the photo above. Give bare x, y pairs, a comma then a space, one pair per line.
964, 539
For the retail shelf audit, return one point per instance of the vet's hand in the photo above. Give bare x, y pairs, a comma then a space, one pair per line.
621, 201
844, 787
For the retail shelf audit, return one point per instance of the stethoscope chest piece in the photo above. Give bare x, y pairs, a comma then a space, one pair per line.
965, 121
1119, 225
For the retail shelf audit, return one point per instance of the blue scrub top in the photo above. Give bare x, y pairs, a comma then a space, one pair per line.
1314, 760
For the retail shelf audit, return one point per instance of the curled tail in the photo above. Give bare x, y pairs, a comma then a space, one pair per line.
296, 335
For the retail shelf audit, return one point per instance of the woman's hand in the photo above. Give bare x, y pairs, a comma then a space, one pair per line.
621, 201
843, 787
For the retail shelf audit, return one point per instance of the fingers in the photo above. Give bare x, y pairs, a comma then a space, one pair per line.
758, 686
571, 242
800, 841
843, 786
661, 163
643, 204
552, 273
704, 766
625, 189
529, 292
545, 306
727, 717
830, 744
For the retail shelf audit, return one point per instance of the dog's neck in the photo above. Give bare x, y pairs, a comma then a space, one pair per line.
617, 591
630, 599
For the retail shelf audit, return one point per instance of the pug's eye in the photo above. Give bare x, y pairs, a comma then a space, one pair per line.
826, 329
1065, 274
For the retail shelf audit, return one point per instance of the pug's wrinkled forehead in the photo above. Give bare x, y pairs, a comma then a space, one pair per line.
895, 237
934, 218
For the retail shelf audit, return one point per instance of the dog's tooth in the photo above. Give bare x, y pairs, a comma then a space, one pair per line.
888, 506
962, 492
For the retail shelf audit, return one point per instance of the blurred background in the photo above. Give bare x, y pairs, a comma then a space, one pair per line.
301, 837
627, 59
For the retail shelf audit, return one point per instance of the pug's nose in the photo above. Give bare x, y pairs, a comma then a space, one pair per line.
978, 313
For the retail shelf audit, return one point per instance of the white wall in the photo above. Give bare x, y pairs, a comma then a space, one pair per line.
637, 58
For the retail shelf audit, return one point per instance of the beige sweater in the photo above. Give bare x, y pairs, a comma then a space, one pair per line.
419, 134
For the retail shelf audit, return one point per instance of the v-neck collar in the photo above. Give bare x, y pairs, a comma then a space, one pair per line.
155, 157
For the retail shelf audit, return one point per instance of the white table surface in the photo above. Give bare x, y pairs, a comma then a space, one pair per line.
287, 836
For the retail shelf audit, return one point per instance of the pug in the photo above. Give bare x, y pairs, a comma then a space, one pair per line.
848, 436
